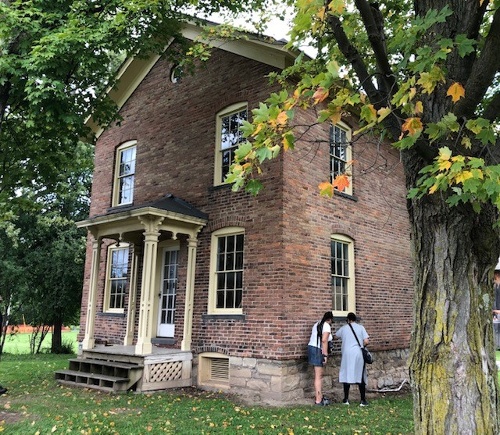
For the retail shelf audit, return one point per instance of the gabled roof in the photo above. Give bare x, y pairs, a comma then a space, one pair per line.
262, 49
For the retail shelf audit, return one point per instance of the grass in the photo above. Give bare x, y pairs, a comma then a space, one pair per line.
36, 404
19, 343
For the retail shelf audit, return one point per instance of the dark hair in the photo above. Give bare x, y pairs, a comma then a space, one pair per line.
351, 316
327, 316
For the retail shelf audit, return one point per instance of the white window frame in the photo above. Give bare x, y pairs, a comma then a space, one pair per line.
344, 274
345, 157
117, 191
212, 297
108, 286
219, 151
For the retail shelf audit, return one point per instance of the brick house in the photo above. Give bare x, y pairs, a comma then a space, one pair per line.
189, 283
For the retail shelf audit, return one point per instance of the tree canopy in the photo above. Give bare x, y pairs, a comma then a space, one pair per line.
425, 76
57, 59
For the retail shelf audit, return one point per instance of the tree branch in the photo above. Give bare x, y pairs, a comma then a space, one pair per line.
483, 71
374, 25
353, 58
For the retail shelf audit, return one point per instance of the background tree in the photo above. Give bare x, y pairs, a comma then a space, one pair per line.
423, 74
57, 59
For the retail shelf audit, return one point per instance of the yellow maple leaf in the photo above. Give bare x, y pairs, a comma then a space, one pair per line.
335, 116
443, 159
320, 95
336, 6
444, 165
463, 176
383, 113
419, 108
321, 13
456, 91
341, 182
282, 118
325, 189
412, 125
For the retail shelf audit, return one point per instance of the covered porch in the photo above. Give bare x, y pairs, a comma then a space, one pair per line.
153, 349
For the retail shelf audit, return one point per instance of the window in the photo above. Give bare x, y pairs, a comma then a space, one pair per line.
229, 137
342, 271
116, 281
125, 174
340, 154
226, 265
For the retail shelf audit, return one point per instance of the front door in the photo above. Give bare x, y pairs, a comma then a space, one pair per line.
168, 290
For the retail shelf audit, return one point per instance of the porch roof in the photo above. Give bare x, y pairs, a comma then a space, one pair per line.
173, 214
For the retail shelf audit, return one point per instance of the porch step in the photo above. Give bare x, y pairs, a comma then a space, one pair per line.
92, 380
105, 375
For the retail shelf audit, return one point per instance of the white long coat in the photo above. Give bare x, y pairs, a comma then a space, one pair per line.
351, 365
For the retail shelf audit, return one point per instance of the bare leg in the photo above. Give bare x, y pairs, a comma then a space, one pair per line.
318, 381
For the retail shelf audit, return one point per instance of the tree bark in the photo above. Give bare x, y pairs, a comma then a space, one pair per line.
56, 337
452, 364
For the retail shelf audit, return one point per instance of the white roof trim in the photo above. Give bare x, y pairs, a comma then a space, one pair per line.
134, 70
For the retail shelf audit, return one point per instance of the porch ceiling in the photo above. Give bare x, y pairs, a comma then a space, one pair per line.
166, 214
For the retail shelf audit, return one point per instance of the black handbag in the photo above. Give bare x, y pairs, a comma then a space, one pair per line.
367, 356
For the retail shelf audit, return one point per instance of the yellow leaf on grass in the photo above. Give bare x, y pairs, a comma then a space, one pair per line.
456, 91
412, 126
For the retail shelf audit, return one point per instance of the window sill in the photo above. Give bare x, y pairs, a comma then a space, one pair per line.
210, 317
111, 314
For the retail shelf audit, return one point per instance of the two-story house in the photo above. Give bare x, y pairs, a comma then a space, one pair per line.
189, 283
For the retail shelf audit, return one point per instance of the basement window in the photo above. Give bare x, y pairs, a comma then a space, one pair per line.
213, 370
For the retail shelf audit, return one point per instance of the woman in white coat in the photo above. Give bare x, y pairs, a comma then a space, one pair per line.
352, 366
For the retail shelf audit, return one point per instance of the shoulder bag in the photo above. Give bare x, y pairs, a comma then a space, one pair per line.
367, 356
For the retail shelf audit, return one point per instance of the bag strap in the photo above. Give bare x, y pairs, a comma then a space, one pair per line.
355, 336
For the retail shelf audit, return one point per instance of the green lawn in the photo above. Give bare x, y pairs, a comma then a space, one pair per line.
19, 343
36, 404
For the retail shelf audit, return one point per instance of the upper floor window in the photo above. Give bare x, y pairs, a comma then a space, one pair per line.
124, 174
116, 277
226, 266
342, 274
340, 154
228, 138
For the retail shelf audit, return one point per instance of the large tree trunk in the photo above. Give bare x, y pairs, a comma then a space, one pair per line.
452, 363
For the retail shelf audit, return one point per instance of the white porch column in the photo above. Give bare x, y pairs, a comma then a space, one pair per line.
188, 310
88, 340
132, 295
148, 290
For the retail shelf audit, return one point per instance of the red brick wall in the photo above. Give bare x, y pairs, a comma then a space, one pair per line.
287, 226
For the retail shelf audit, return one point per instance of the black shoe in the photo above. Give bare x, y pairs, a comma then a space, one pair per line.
3, 390
345, 402
363, 403
324, 402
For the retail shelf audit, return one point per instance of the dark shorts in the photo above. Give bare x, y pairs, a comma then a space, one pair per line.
315, 356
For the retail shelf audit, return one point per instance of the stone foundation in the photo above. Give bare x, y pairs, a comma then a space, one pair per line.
260, 381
